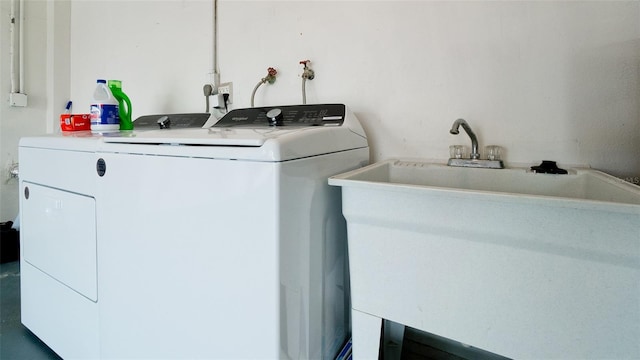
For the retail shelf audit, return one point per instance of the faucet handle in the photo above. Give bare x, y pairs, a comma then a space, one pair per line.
493, 152
457, 151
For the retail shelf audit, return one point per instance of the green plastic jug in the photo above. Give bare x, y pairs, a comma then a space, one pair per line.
124, 111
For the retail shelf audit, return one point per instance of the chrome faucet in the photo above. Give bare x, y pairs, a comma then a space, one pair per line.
474, 140
474, 160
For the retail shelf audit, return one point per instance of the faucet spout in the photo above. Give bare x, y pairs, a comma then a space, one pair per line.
474, 140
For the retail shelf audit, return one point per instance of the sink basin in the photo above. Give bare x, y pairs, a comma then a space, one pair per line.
582, 184
520, 264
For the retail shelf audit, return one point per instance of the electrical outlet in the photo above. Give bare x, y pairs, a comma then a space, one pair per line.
226, 88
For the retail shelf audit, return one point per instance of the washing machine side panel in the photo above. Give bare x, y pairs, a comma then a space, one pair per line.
58, 250
69, 170
188, 259
58, 216
313, 256
63, 319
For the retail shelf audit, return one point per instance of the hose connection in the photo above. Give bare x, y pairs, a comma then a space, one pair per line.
271, 76
307, 73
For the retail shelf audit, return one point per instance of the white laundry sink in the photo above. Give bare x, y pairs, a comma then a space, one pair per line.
584, 184
520, 264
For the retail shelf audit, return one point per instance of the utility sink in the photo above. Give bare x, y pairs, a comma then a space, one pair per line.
581, 184
519, 264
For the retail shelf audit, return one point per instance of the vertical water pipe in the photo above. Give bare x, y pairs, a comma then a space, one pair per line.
21, 48
216, 70
12, 47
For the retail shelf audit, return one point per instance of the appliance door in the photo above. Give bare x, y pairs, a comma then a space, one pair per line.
188, 257
59, 236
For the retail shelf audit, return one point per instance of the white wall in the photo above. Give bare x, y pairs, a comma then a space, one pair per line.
546, 80
42, 83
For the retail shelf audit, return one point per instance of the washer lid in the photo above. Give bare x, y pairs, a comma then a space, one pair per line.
246, 139
198, 136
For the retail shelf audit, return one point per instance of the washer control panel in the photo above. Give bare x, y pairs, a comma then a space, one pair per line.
169, 121
290, 115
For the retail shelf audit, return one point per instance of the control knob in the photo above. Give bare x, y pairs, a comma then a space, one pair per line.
275, 117
164, 122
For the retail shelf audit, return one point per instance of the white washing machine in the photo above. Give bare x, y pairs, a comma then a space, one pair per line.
220, 242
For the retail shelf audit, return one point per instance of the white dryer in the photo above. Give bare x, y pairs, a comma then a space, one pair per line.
58, 259
225, 242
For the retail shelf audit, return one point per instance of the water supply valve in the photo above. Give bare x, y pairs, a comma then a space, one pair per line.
307, 73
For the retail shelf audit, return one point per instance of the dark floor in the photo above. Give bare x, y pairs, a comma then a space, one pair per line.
16, 342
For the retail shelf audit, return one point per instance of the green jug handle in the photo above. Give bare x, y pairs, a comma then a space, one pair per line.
125, 114
122, 112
